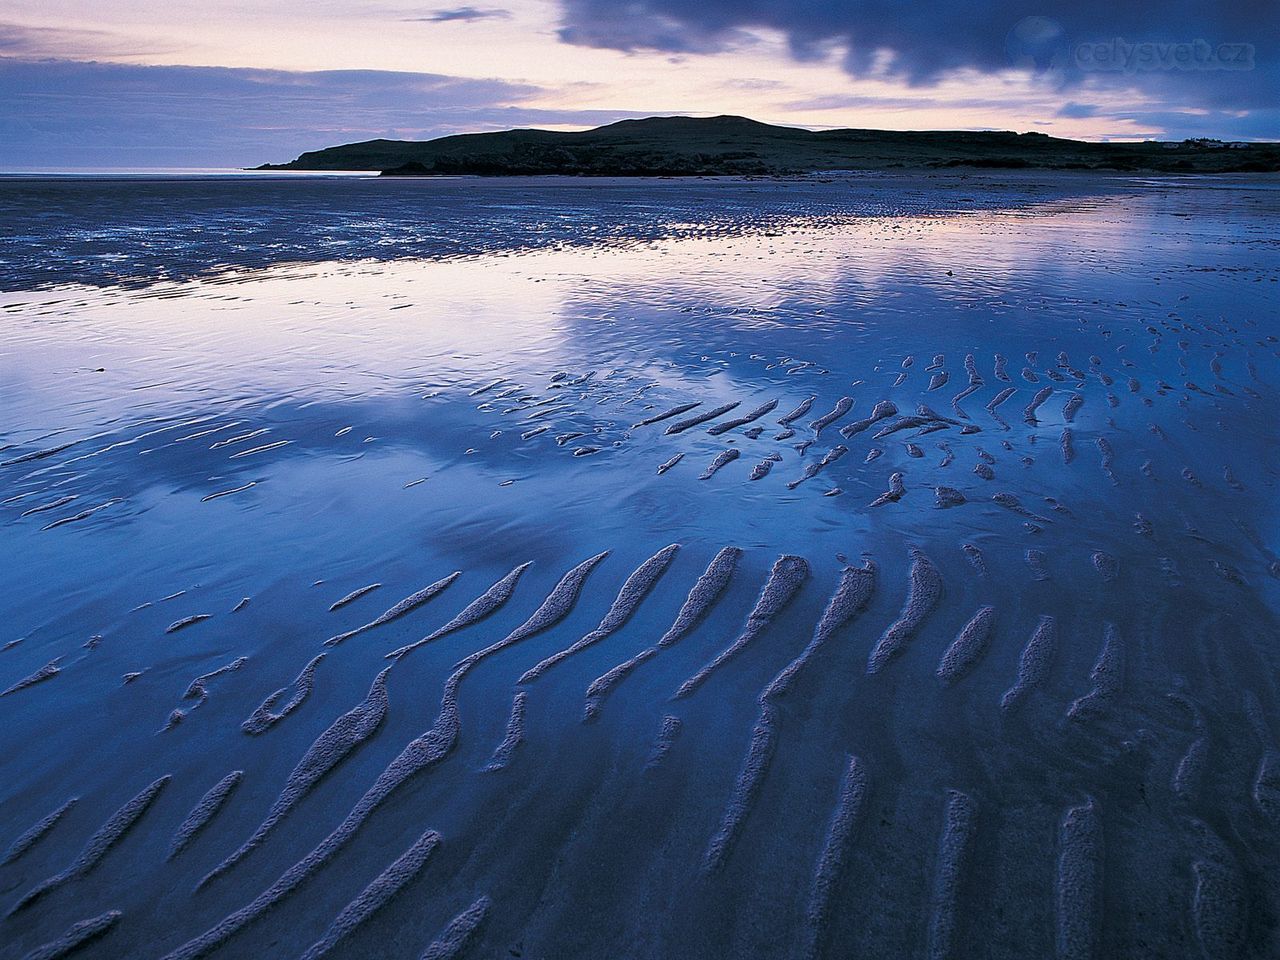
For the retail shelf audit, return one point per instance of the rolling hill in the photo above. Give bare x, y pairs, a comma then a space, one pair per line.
718, 146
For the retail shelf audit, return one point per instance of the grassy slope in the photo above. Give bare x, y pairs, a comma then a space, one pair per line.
736, 145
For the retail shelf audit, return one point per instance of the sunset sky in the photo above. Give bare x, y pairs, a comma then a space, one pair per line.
220, 83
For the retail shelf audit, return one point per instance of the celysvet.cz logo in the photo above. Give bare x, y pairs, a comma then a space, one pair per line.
1124, 56
1042, 46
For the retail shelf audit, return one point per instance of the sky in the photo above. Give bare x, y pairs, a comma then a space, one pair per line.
231, 83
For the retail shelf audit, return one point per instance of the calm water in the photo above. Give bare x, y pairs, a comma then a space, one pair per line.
242, 400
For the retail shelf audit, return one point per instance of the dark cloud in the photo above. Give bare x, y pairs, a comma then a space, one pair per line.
923, 40
644, 26
1077, 111
67, 113
463, 15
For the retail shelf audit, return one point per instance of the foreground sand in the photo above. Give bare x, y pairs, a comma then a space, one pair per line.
888, 574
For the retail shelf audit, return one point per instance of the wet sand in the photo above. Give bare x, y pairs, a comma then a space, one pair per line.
990, 673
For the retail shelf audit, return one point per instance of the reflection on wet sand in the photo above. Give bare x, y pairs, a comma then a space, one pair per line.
983, 667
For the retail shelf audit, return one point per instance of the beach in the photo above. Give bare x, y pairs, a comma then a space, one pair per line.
856, 565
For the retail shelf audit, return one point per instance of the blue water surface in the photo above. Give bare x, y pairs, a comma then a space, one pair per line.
240, 400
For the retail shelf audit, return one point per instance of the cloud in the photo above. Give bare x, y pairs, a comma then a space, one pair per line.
68, 113
463, 15
20, 40
922, 42
1077, 111
1232, 125
633, 27
754, 83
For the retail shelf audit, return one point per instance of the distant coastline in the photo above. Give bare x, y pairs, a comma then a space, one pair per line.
737, 146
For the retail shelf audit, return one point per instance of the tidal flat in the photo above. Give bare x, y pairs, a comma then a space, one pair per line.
876, 565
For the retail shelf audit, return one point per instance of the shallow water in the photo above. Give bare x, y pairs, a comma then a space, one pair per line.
285, 391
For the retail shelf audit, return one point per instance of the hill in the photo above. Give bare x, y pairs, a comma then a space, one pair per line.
717, 146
